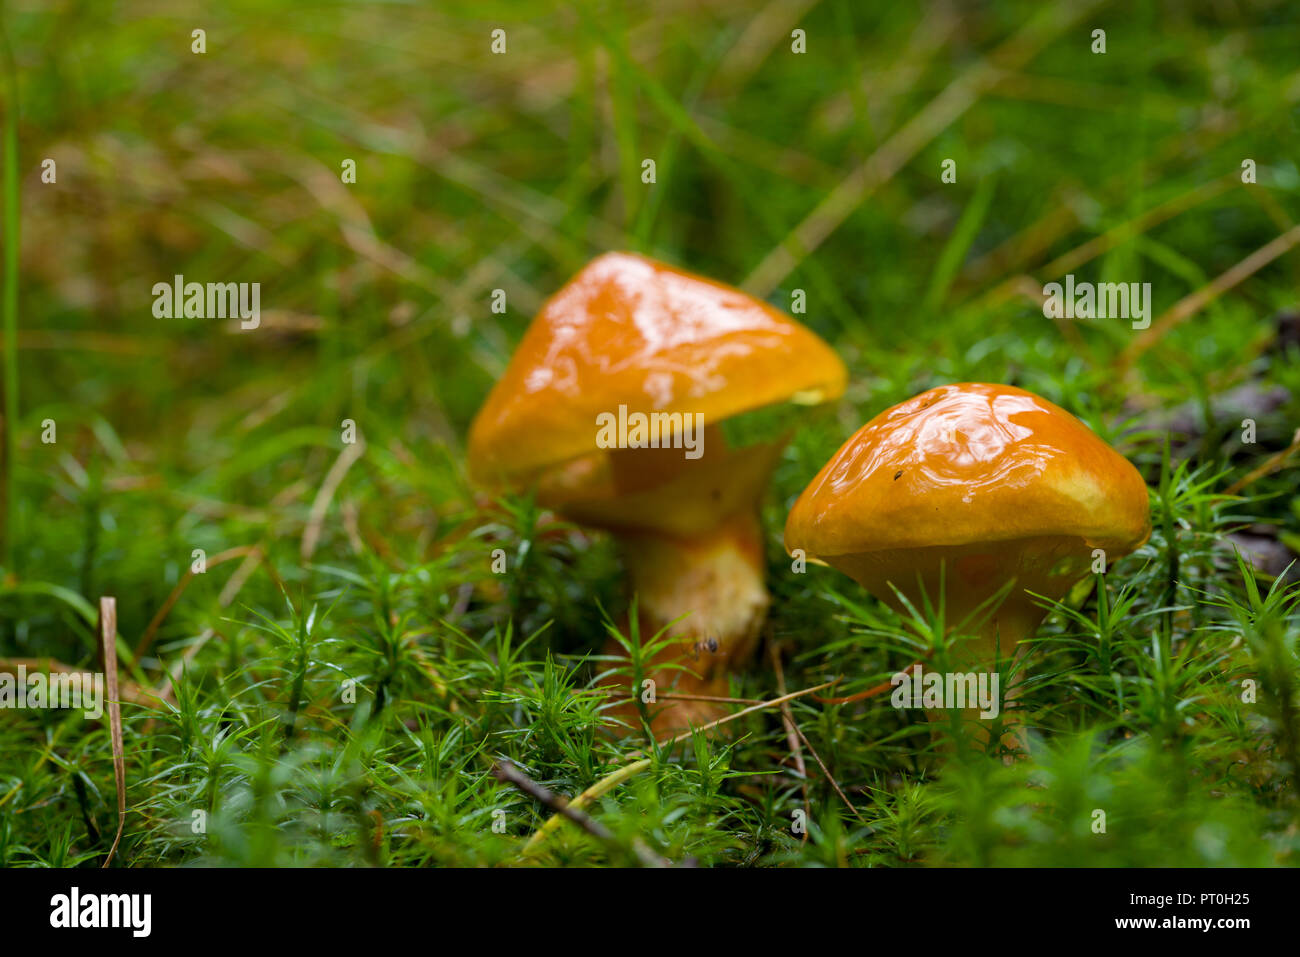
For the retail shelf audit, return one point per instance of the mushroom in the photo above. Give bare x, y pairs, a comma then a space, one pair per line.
632, 351
965, 491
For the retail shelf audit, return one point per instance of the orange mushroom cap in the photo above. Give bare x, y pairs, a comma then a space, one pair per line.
970, 464
631, 331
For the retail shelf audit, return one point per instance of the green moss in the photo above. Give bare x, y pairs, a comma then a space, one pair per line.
1163, 696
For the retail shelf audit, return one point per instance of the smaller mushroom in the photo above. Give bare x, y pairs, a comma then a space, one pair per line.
964, 491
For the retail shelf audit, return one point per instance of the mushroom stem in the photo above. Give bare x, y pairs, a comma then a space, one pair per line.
710, 584
993, 645
969, 578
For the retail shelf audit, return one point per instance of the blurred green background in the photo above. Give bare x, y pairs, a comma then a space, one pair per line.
775, 171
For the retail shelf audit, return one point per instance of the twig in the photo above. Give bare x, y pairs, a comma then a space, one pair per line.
829, 777
508, 772
1273, 464
1189, 305
9, 666
773, 703
870, 692
1101, 244
792, 734
603, 786
108, 639
1142, 223
716, 699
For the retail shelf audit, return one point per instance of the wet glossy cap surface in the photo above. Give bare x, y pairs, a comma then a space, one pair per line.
631, 331
965, 464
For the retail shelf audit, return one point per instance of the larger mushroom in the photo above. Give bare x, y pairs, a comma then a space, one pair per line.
627, 343
967, 490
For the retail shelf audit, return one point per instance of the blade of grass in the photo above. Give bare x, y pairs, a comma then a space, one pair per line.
108, 642
11, 240
959, 243
940, 113
681, 120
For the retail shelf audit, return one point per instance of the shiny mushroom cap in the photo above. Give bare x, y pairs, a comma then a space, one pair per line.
964, 467
629, 331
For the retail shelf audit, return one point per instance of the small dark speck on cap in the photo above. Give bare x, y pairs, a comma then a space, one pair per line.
898, 475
